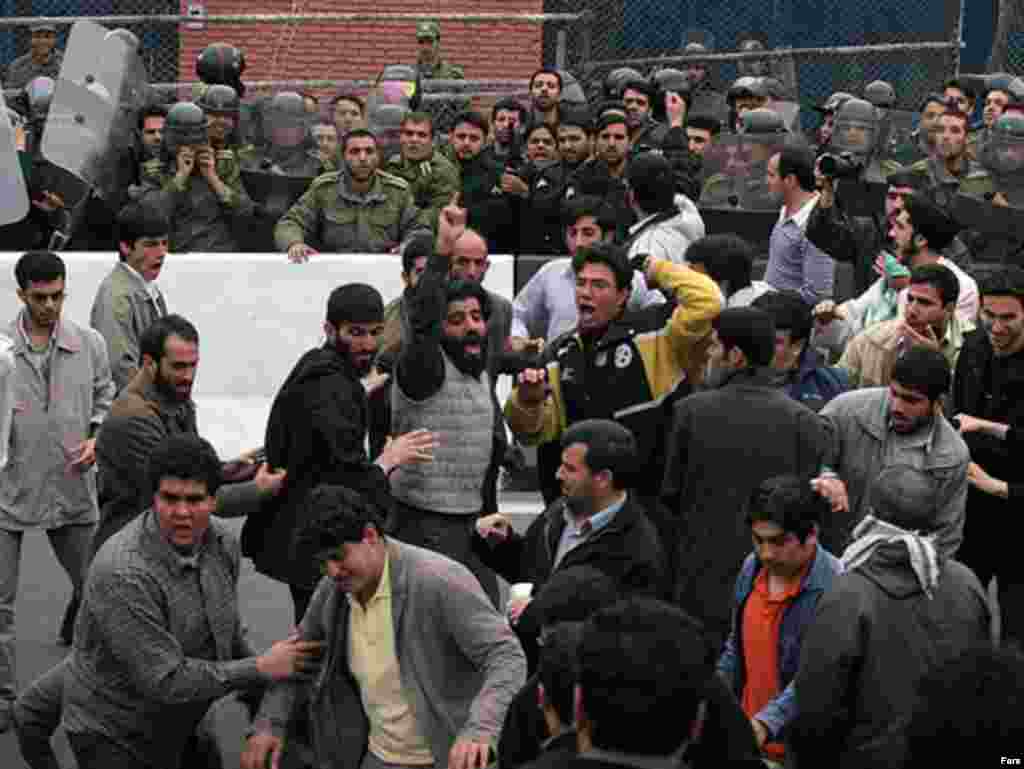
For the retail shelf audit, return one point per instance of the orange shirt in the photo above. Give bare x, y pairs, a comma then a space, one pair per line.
762, 620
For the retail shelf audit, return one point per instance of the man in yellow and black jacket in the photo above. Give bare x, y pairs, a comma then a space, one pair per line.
626, 366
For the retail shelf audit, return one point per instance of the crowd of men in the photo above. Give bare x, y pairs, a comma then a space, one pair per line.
778, 524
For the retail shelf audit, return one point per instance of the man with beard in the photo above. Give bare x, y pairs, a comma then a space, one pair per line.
930, 320
903, 423
316, 432
575, 139
489, 212
358, 209
989, 385
442, 385
508, 119
62, 391
545, 94
157, 403
949, 169
723, 443
638, 97
604, 174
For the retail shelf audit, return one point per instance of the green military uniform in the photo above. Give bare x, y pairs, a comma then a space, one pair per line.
432, 182
974, 181
23, 70
200, 219
441, 70
333, 218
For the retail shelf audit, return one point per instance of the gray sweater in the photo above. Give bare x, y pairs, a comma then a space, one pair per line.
458, 657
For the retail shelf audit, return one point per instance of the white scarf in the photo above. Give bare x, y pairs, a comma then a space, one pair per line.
871, 533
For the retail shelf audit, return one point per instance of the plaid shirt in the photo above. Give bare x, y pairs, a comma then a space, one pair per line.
158, 639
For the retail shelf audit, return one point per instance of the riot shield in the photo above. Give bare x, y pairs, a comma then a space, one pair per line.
13, 190
735, 172
87, 117
790, 112
272, 194
899, 142
710, 103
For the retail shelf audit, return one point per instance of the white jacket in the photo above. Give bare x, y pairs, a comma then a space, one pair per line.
669, 239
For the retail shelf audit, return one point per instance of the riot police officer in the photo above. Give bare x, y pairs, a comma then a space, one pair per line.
221, 64
43, 58
288, 146
200, 192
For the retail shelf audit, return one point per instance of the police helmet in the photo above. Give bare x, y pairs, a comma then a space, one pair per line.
745, 86
856, 126
762, 122
219, 100
221, 63
880, 93
186, 125
832, 102
616, 79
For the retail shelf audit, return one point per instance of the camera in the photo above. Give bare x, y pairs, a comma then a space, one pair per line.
842, 166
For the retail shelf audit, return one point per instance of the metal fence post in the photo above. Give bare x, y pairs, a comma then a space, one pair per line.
561, 49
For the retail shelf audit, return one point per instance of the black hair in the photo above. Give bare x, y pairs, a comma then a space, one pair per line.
578, 117
969, 703
610, 118
508, 104
652, 181
572, 595
799, 162
642, 86
705, 123
334, 516
475, 119
460, 290
357, 133
551, 129
141, 220
417, 246
938, 98
610, 446
186, 457
789, 311
1007, 280
638, 658
577, 207
153, 341
726, 257
419, 117
963, 87
38, 267
923, 370
906, 178
790, 503
930, 221
548, 71
750, 330
349, 97
152, 110
556, 670
941, 278
611, 256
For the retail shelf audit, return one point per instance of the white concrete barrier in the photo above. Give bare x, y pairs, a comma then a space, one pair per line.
256, 315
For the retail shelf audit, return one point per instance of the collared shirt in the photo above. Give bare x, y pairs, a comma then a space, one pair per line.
546, 305
395, 735
157, 640
796, 264
575, 534
151, 287
40, 359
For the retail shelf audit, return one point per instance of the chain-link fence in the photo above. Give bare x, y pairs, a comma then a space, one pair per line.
1008, 44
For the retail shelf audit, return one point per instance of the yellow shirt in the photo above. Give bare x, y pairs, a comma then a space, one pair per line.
395, 736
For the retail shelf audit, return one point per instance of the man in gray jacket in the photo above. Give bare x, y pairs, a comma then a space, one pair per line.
128, 300
62, 393
418, 667
900, 424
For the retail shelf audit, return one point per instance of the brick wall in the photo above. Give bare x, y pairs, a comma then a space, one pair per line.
358, 51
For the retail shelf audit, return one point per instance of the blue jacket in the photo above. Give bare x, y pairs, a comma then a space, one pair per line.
797, 618
813, 384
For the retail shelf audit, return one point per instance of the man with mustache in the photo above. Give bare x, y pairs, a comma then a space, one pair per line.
443, 385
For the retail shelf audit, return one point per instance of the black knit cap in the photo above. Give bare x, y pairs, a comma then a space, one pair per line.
355, 303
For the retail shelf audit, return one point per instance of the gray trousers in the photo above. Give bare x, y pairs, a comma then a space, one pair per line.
72, 545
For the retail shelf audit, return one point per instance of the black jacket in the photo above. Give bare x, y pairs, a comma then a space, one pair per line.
723, 443
317, 432
993, 526
628, 550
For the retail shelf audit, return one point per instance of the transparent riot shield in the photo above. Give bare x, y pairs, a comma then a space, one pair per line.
899, 140
87, 118
273, 194
710, 103
736, 172
13, 189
